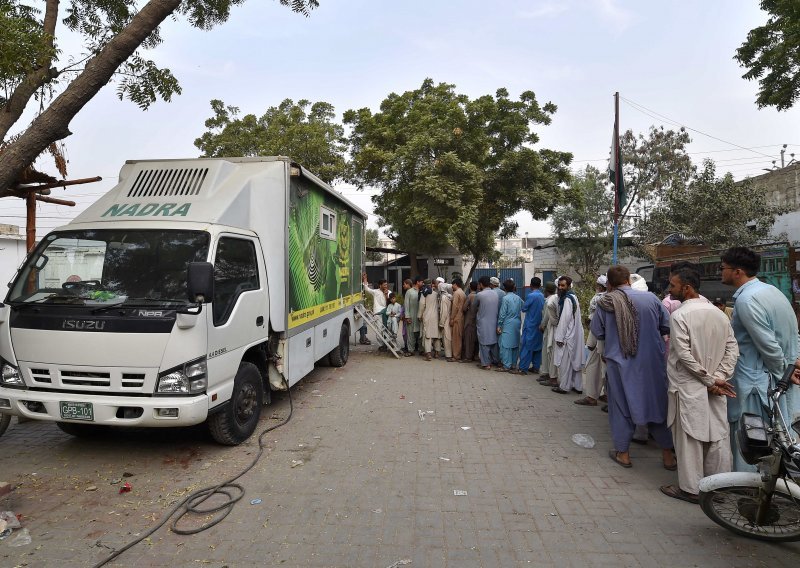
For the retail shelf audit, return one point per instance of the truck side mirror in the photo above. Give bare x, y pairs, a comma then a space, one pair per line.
200, 282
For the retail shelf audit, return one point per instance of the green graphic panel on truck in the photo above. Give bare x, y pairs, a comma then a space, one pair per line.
321, 279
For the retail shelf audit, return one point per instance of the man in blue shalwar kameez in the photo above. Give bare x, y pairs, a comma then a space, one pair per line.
531, 344
632, 323
766, 331
509, 322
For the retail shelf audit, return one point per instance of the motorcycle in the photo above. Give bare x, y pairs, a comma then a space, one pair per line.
763, 505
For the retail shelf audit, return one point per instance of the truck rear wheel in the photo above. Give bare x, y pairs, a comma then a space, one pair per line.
338, 356
237, 421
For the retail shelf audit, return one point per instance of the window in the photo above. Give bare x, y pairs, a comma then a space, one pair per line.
327, 223
235, 271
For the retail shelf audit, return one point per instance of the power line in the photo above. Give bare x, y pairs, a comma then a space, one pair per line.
642, 109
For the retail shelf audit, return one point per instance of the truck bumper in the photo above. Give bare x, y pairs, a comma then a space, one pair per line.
106, 410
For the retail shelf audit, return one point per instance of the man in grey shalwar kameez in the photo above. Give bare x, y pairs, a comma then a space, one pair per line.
488, 307
632, 323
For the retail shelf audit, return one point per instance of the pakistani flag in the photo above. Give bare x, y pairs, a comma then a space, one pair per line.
614, 166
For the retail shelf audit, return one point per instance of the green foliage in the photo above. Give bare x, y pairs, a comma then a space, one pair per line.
372, 241
655, 163
307, 132
583, 229
23, 44
452, 170
719, 211
772, 56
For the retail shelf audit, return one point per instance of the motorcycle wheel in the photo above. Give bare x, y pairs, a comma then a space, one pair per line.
735, 509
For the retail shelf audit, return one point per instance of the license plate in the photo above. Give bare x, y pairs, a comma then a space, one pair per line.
77, 411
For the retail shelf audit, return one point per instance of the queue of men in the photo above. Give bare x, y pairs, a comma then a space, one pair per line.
680, 371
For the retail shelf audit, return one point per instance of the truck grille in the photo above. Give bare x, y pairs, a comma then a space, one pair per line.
105, 381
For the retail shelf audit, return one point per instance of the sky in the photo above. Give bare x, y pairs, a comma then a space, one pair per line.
672, 63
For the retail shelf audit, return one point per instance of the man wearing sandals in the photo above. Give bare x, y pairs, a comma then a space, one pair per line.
569, 339
488, 304
702, 356
632, 322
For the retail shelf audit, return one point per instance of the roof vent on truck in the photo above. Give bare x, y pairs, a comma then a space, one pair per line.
166, 182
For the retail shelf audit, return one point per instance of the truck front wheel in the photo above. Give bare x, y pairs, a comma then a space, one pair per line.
237, 421
338, 357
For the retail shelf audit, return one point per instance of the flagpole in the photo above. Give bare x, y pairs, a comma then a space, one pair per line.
617, 176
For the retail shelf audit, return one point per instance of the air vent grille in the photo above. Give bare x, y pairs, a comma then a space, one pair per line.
163, 183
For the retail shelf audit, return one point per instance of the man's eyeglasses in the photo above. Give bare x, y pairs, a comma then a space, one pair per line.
724, 268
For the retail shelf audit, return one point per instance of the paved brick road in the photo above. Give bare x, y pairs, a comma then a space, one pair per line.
376, 486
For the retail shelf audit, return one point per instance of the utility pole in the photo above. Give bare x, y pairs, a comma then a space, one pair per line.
32, 195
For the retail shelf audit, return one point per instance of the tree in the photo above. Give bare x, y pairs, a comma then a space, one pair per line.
309, 135
372, 241
772, 56
583, 229
711, 209
115, 34
453, 169
654, 164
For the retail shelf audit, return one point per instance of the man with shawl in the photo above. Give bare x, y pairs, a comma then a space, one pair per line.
456, 322
445, 302
531, 343
471, 324
549, 376
632, 323
508, 325
488, 304
569, 339
766, 331
429, 320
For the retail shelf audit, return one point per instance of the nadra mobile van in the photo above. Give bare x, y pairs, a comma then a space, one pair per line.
183, 295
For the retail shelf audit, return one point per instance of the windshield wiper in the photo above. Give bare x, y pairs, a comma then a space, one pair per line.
45, 300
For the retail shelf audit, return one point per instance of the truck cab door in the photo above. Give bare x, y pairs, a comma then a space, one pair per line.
240, 306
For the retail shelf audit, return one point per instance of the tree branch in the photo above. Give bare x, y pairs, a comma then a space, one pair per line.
53, 123
33, 81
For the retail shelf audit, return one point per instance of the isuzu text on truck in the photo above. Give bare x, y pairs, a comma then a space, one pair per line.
183, 295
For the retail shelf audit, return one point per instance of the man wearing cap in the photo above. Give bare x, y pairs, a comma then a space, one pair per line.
494, 282
549, 376
488, 304
429, 320
531, 344
445, 303
594, 373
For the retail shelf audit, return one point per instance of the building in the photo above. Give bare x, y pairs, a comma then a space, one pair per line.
12, 254
782, 187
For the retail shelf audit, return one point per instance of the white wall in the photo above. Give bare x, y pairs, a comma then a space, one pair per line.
12, 253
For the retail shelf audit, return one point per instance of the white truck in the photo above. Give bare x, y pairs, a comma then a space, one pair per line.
183, 295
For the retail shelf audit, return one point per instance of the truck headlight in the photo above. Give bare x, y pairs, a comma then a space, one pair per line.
189, 378
11, 377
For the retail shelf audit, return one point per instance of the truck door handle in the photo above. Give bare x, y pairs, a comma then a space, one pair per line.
260, 321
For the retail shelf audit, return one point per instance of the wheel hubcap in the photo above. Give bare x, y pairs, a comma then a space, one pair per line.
246, 403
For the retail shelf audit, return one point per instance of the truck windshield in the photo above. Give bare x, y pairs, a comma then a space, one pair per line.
106, 267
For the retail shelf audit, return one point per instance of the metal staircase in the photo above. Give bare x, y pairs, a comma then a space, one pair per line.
375, 323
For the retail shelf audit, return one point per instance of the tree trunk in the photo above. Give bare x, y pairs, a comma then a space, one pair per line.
53, 123
412, 260
472, 270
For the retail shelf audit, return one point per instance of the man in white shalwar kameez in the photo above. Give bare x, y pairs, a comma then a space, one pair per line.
702, 357
549, 369
445, 302
568, 353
